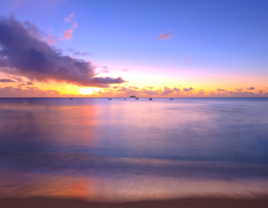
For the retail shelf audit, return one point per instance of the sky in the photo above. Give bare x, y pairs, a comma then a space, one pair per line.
147, 48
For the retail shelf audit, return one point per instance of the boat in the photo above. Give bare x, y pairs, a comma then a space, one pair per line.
70, 98
150, 98
171, 99
110, 98
137, 98
125, 99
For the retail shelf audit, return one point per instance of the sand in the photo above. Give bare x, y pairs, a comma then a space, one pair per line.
42, 202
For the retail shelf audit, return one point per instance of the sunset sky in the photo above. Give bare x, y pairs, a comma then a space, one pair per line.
118, 48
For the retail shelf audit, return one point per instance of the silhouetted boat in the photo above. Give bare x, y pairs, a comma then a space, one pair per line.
150, 98
171, 99
110, 98
70, 98
125, 99
137, 98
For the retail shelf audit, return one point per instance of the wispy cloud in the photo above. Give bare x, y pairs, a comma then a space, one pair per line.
69, 18
125, 70
69, 33
221, 90
80, 54
50, 40
250, 88
187, 58
165, 36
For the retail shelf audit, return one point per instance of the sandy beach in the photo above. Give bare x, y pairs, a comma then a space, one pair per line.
42, 202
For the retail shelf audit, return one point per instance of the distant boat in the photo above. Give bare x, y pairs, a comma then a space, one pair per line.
171, 99
137, 98
132, 96
125, 99
70, 98
150, 98
110, 98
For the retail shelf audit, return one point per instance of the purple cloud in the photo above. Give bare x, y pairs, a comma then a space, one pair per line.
24, 53
250, 88
167, 91
187, 89
176, 89
221, 90
6, 80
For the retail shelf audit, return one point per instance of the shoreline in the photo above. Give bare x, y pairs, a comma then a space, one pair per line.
209, 202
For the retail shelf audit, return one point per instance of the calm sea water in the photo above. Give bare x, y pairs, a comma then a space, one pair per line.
118, 149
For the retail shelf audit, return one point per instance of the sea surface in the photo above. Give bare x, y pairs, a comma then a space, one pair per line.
121, 150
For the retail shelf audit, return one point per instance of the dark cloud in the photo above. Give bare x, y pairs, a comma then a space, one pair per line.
6, 80
24, 53
29, 83
250, 88
187, 89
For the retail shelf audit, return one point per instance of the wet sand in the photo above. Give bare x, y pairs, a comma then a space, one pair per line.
42, 202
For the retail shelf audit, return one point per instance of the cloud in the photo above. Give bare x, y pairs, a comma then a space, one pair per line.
24, 53
167, 91
69, 33
133, 87
239, 90
250, 88
126, 70
187, 58
69, 18
29, 83
221, 90
27, 92
201, 92
50, 40
150, 87
187, 89
6, 80
165, 36
80, 54
176, 89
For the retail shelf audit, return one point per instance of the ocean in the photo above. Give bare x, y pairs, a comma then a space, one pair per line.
127, 150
